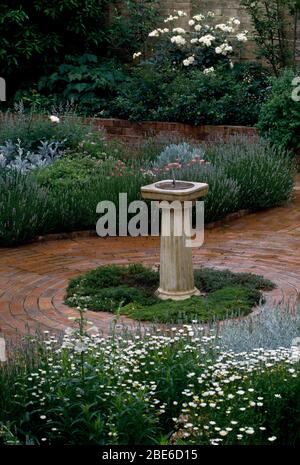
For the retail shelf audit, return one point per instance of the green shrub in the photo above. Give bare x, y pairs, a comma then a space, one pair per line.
86, 81
143, 95
107, 287
280, 115
219, 98
225, 97
68, 172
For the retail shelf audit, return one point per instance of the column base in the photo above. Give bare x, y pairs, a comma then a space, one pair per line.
172, 295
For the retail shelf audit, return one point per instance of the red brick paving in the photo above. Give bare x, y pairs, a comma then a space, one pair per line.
33, 277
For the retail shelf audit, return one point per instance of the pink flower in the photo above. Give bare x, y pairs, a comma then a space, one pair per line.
174, 165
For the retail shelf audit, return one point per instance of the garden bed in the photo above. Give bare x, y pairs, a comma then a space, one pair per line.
54, 186
179, 388
131, 291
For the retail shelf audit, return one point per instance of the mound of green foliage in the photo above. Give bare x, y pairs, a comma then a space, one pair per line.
280, 115
131, 291
189, 96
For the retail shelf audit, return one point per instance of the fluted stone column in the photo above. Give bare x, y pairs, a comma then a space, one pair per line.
176, 266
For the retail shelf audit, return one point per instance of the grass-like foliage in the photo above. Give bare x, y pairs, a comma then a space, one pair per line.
133, 388
130, 291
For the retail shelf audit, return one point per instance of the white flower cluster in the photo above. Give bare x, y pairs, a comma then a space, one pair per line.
224, 27
199, 17
224, 49
209, 70
179, 30
178, 40
206, 40
136, 55
189, 61
242, 36
218, 397
154, 33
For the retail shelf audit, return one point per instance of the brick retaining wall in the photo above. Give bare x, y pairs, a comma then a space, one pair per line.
131, 132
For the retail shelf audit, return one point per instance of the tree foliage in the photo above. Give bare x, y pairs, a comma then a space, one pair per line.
276, 30
36, 36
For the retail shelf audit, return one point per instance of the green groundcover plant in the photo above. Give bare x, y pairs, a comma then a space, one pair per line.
172, 387
131, 291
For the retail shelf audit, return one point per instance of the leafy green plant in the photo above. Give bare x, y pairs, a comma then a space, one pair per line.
86, 81
218, 305
280, 115
72, 27
108, 287
210, 280
225, 97
68, 172
47, 33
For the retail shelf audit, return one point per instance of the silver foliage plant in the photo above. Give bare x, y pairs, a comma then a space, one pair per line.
14, 156
271, 329
182, 153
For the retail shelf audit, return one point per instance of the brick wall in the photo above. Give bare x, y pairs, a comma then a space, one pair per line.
134, 133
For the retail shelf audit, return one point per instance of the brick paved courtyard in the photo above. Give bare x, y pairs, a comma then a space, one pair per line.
33, 277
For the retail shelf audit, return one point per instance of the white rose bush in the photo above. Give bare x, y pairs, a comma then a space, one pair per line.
202, 44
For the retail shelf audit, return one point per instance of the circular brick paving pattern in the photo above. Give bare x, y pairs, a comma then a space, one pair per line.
33, 277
